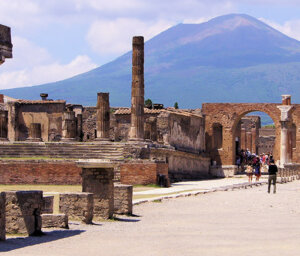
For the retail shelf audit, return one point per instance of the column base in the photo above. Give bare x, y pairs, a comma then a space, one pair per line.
68, 140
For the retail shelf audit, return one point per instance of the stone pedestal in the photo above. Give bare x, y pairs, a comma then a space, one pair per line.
3, 125
77, 206
23, 212
103, 112
2, 217
69, 126
136, 132
35, 132
123, 198
55, 221
97, 178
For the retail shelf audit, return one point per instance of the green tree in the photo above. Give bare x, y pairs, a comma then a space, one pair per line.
176, 105
148, 103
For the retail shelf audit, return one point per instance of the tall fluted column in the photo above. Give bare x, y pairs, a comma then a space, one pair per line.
137, 90
103, 116
254, 140
243, 139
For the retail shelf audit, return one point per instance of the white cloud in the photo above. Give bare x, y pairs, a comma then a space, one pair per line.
45, 73
108, 37
289, 28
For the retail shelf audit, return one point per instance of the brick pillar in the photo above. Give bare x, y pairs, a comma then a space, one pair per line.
103, 116
97, 178
1, 98
35, 132
69, 126
249, 141
243, 139
137, 90
2, 216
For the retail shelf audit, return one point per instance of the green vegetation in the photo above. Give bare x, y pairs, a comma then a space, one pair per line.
269, 126
176, 105
148, 103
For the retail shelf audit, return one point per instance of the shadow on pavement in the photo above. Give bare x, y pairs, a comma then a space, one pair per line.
17, 243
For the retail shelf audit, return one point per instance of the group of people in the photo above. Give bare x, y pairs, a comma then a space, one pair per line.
253, 164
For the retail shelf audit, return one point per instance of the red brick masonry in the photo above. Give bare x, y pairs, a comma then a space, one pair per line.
142, 173
39, 172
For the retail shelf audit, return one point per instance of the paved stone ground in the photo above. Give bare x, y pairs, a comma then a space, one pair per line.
240, 222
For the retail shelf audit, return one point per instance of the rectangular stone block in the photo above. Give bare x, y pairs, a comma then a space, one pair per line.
55, 221
23, 212
2, 216
47, 204
123, 198
99, 181
77, 206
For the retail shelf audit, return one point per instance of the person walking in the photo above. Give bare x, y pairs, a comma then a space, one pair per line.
272, 176
256, 167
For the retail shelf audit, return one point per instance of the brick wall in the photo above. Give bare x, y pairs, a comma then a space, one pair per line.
142, 173
39, 172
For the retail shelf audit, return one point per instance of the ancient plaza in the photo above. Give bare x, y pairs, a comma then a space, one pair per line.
107, 150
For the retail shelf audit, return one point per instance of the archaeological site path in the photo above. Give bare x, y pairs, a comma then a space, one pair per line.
240, 222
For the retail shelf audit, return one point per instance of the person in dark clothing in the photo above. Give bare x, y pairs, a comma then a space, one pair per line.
272, 175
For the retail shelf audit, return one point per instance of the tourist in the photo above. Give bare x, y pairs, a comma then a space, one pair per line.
249, 172
272, 175
256, 166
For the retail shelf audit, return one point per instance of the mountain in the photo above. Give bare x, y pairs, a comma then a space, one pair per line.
231, 58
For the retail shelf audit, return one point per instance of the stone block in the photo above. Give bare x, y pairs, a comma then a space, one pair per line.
123, 198
23, 212
224, 171
47, 204
2, 216
77, 206
55, 221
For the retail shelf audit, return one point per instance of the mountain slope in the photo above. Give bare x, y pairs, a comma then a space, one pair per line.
231, 58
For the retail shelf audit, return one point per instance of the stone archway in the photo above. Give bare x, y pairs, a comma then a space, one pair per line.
228, 115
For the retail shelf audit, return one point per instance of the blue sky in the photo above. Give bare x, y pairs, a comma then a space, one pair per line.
57, 39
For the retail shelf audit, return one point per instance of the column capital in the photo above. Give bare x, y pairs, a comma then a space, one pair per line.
285, 112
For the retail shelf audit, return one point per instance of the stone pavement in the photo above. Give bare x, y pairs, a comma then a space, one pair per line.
188, 188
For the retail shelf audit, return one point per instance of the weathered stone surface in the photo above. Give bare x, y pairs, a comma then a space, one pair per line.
99, 181
47, 204
69, 127
123, 198
5, 43
35, 132
55, 221
224, 171
77, 206
103, 116
23, 212
2, 216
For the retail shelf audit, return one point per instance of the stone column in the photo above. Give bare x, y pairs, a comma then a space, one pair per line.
253, 146
79, 127
97, 178
12, 121
137, 90
285, 109
243, 139
69, 126
103, 112
35, 132
249, 141
3, 126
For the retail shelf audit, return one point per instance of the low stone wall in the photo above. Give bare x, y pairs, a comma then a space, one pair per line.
142, 172
183, 165
223, 171
23, 212
39, 172
77, 206
47, 204
2, 216
123, 198
55, 221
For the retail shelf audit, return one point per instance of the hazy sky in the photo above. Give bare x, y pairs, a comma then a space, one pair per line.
57, 39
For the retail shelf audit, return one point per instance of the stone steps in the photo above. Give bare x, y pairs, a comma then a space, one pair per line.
63, 150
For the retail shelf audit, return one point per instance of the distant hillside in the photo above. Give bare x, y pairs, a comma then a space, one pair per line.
231, 58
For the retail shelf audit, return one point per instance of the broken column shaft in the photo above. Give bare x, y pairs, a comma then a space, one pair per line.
103, 116
137, 90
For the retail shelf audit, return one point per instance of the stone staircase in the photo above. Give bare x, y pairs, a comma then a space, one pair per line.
109, 151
